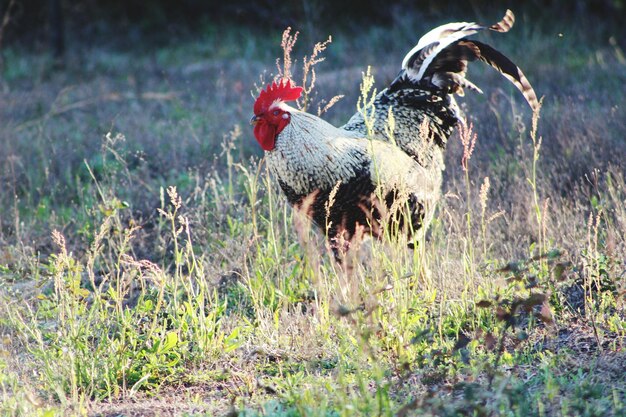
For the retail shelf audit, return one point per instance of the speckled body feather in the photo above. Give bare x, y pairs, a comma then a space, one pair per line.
370, 179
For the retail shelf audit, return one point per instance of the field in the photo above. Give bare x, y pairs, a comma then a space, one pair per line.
150, 266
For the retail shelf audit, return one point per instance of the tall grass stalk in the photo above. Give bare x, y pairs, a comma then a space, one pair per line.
537, 205
468, 140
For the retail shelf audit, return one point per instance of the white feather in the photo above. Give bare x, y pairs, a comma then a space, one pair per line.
445, 35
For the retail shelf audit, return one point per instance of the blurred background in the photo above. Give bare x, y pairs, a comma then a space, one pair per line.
57, 24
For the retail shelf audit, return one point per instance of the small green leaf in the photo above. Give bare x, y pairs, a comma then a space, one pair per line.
82, 292
148, 305
232, 340
171, 339
112, 293
48, 413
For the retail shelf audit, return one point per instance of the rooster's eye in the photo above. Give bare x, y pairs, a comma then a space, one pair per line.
276, 112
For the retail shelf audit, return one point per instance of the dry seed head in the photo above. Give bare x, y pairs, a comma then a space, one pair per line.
287, 44
397, 205
424, 131
175, 199
330, 104
426, 138
365, 103
483, 194
468, 139
184, 223
59, 240
331, 198
146, 264
308, 66
535, 120
367, 83
164, 213
495, 216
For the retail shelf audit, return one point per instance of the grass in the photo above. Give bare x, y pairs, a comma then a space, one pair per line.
150, 266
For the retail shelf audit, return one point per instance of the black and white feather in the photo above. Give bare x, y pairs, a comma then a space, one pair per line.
440, 58
421, 98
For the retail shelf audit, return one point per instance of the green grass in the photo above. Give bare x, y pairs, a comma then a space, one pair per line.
150, 265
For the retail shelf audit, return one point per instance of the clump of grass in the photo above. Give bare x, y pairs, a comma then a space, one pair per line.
108, 324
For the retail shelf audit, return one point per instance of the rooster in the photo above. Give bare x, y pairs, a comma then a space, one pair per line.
361, 176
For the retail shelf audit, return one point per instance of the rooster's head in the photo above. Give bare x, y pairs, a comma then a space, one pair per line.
270, 118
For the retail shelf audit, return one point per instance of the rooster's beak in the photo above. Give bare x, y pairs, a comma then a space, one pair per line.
254, 120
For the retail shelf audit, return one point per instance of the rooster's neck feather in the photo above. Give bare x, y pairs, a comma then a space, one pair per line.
311, 153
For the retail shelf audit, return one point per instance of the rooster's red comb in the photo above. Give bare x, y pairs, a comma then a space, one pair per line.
282, 91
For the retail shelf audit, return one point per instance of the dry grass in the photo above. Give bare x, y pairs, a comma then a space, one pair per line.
222, 300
